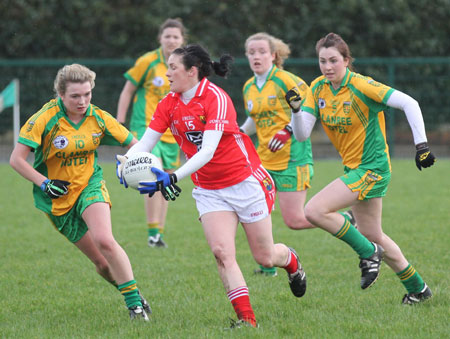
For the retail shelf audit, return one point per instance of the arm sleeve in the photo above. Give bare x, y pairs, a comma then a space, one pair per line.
413, 113
248, 126
147, 142
302, 124
210, 142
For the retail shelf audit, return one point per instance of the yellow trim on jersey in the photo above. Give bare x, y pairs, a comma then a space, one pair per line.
353, 119
67, 151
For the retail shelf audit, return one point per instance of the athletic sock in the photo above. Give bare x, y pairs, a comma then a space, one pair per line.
411, 279
153, 229
291, 264
349, 234
161, 231
240, 300
130, 292
268, 270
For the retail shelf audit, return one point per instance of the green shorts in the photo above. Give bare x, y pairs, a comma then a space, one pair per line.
293, 179
169, 153
71, 224
368, 183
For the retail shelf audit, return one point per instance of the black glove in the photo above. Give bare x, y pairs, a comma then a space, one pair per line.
424, 158
294, 99
55, 188
165, 183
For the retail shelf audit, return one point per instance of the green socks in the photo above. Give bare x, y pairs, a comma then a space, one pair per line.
349, 234
268, 270
411, 279
153, 229
130, 292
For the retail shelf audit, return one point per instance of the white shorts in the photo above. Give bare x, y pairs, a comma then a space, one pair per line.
252, 199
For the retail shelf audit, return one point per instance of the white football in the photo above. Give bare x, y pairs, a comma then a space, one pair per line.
138, 166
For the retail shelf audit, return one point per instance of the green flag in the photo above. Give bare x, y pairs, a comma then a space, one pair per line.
8, 96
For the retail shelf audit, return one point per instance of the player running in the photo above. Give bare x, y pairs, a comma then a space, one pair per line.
68, 182
231, 185
289, 162
147, 82
350, 107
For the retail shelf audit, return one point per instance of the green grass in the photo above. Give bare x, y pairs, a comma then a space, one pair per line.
48, 289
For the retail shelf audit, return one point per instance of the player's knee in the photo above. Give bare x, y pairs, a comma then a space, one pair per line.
223, 257
106, 246
297, 222
313, 214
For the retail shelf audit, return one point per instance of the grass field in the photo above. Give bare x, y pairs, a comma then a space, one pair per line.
48, 289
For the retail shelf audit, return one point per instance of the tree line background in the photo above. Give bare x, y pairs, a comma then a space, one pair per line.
128, 28
108, 36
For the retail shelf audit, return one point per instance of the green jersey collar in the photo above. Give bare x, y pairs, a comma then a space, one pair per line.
345, 80
271, 73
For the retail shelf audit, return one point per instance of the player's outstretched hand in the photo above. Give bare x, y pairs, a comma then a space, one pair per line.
165, 183
120, 161
280, 138
424, 158
55, 188
294, 99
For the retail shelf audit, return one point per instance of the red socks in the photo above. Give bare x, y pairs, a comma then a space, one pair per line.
291, 264
240, 300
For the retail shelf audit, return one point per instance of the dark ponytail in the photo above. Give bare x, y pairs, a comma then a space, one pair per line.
223, 67
196, 55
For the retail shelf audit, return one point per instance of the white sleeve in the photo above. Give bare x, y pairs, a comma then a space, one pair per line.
302, 124
413, 113
248, 126
210, 142
147, 142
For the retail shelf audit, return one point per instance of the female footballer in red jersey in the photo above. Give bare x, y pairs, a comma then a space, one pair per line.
350, 107
231, 186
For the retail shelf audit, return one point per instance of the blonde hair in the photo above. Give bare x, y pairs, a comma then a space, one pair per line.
277, 46
72, 73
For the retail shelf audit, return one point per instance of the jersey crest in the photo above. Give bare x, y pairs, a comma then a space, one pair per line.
60, 142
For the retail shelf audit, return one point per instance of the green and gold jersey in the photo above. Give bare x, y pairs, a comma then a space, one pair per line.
352, 117
270, 112
67, 151
149, 76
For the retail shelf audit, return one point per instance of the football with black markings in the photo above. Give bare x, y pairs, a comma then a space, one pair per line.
138, 166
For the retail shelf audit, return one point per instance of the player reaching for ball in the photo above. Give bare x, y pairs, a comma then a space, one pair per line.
231, 186
350, 107
68, 182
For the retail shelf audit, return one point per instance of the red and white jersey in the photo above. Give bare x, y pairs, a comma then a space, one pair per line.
235, 158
